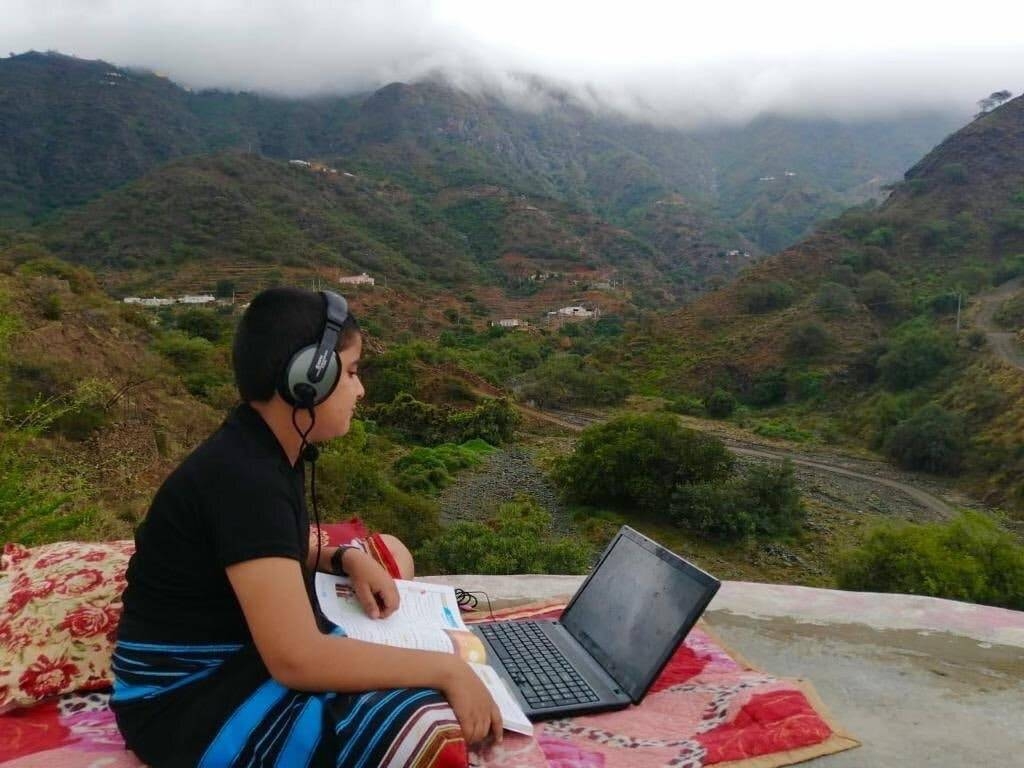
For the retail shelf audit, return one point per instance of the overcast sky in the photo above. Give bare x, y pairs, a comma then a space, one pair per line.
666, 61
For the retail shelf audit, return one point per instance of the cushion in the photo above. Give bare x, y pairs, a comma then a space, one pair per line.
58, 621
58, 624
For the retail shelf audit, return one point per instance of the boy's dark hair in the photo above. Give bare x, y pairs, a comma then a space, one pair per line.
277, 324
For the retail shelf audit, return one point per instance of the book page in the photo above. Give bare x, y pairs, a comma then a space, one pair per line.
427, 618
512, 715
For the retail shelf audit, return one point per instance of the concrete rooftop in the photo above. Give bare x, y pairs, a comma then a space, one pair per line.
920, 681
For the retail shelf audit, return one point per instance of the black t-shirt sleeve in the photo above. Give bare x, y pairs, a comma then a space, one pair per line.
256, 517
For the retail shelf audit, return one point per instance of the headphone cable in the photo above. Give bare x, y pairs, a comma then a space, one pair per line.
309, 452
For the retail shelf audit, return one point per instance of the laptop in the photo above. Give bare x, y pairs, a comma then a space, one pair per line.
614, 638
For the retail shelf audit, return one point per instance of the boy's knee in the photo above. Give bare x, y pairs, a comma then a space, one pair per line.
402, 555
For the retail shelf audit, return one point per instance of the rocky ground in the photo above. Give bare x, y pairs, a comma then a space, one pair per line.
506, 473
476, 494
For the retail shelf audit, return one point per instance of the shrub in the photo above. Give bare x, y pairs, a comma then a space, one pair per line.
955, 173
517, 540
808, 340
1010, 314
564, 380
880, 294
1008, 269
720, 404
765, 502
429, 470
352, 481
783, 430
186, 352
758, 298
32, 510
204, 323
686, 405
969, 558
834, 299
932, 439
914, 358
768, 388
493, 421
637, 460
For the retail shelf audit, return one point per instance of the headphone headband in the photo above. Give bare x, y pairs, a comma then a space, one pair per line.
336, 311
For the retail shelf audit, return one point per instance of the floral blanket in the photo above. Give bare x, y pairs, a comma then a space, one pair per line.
707, 708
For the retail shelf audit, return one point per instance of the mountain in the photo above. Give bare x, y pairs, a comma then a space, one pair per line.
71, 129
859, 326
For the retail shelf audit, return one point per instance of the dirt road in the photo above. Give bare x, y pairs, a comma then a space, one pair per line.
1003, 343
864, 472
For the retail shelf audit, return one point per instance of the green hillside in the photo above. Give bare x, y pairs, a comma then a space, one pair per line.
79, 128
852, 334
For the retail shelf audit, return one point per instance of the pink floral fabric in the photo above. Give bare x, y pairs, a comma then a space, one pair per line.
57, 627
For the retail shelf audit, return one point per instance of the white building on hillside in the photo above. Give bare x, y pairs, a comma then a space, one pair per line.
363, 279
574, 311
203, 298
512, 322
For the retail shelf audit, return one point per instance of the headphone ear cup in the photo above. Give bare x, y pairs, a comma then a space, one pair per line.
295, 387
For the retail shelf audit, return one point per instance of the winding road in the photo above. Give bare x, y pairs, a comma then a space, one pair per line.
939, 508
1003, 343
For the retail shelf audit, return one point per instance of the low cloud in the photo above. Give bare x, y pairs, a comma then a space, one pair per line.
662, 65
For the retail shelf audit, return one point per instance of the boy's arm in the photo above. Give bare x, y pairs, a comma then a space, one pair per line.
273, 598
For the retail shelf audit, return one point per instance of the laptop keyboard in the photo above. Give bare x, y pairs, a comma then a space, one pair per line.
536, 665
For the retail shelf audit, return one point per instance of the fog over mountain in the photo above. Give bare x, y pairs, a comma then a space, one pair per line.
661, 62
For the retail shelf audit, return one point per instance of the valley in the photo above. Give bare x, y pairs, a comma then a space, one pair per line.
830, 308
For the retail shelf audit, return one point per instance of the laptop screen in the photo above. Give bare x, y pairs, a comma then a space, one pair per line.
636, 607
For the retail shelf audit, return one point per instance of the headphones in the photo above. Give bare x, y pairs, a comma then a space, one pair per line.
314, 370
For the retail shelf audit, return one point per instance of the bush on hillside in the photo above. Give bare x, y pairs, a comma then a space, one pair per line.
636, 461
518, 539
808, 340
1010, 314
914, 358
686, 405
429, 470
204, 323
564, 380
970, 558
766, 502
352, 480
768, 388
758, 298
881, 294
1008, 269
933, 439
834, 299
494, 420
720, 404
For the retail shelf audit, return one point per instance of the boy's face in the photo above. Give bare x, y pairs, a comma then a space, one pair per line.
334, 415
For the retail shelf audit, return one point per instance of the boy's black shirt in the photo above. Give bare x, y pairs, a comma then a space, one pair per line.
235, 498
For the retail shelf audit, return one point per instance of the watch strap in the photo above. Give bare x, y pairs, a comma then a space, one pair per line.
337, 557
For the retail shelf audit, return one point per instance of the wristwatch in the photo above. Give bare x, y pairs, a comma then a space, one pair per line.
336, 558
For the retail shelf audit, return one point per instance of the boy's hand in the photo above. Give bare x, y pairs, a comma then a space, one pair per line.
374, 587
478, 715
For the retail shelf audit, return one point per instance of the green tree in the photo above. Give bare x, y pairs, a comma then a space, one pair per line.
808, 340
518, 539
933, 439
970, 558
636, 461
720, 404
880, 294
758, 298
914, 358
